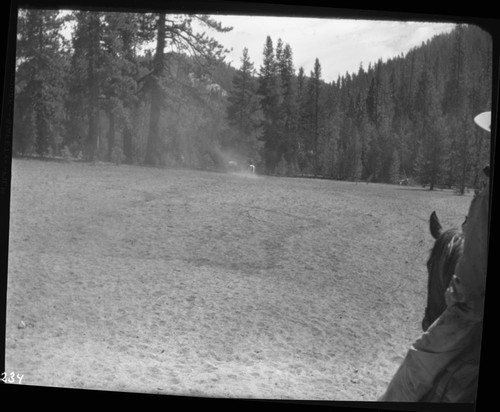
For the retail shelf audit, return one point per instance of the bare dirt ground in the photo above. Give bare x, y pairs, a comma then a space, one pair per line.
220, 285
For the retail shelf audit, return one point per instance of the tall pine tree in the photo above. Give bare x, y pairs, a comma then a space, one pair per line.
175, 32
288, 109
40, 83
431, 128
244, 113
86, 80
314, 113
270, 103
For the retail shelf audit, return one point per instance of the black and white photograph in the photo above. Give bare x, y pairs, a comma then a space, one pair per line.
248, 206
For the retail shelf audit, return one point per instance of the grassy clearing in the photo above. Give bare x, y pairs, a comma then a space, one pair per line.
197, 283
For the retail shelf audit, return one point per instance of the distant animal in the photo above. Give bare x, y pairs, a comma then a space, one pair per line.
447, 249
251, 168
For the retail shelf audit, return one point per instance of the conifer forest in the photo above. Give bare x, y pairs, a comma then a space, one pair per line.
149, 89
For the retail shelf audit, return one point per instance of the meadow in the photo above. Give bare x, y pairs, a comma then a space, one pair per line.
183, 282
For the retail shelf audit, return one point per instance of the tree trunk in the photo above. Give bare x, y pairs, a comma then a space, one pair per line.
111, 135
41, 135
128, 147
153, 145
154, 139
93, 103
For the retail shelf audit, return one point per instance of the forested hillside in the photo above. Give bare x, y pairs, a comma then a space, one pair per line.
149, 89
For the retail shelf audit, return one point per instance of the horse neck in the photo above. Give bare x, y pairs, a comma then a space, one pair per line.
444, 257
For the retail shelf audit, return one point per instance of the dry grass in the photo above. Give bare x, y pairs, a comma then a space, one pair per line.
193, 283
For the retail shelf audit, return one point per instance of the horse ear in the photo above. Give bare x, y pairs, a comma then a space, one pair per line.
435, 225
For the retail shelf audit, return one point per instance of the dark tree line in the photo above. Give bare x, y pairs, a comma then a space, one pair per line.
149, 89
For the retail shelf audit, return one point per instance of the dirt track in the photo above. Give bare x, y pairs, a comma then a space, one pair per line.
193, 283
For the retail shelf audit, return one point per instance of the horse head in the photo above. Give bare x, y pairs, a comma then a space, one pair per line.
447, 249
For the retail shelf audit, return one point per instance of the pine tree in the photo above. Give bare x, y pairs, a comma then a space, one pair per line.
302, 146
93, 61
371, 106
175, 32
244, 112
431, 128
119, 67
313, 115
128, 31
288, 108
153, 151
40, 85
270, 103
86, 81
357, 157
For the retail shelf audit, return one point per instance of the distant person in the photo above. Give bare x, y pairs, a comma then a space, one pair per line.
442, 365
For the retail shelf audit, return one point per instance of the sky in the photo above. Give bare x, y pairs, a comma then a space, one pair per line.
340, 45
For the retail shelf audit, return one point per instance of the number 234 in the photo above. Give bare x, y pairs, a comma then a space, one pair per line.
10, 377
